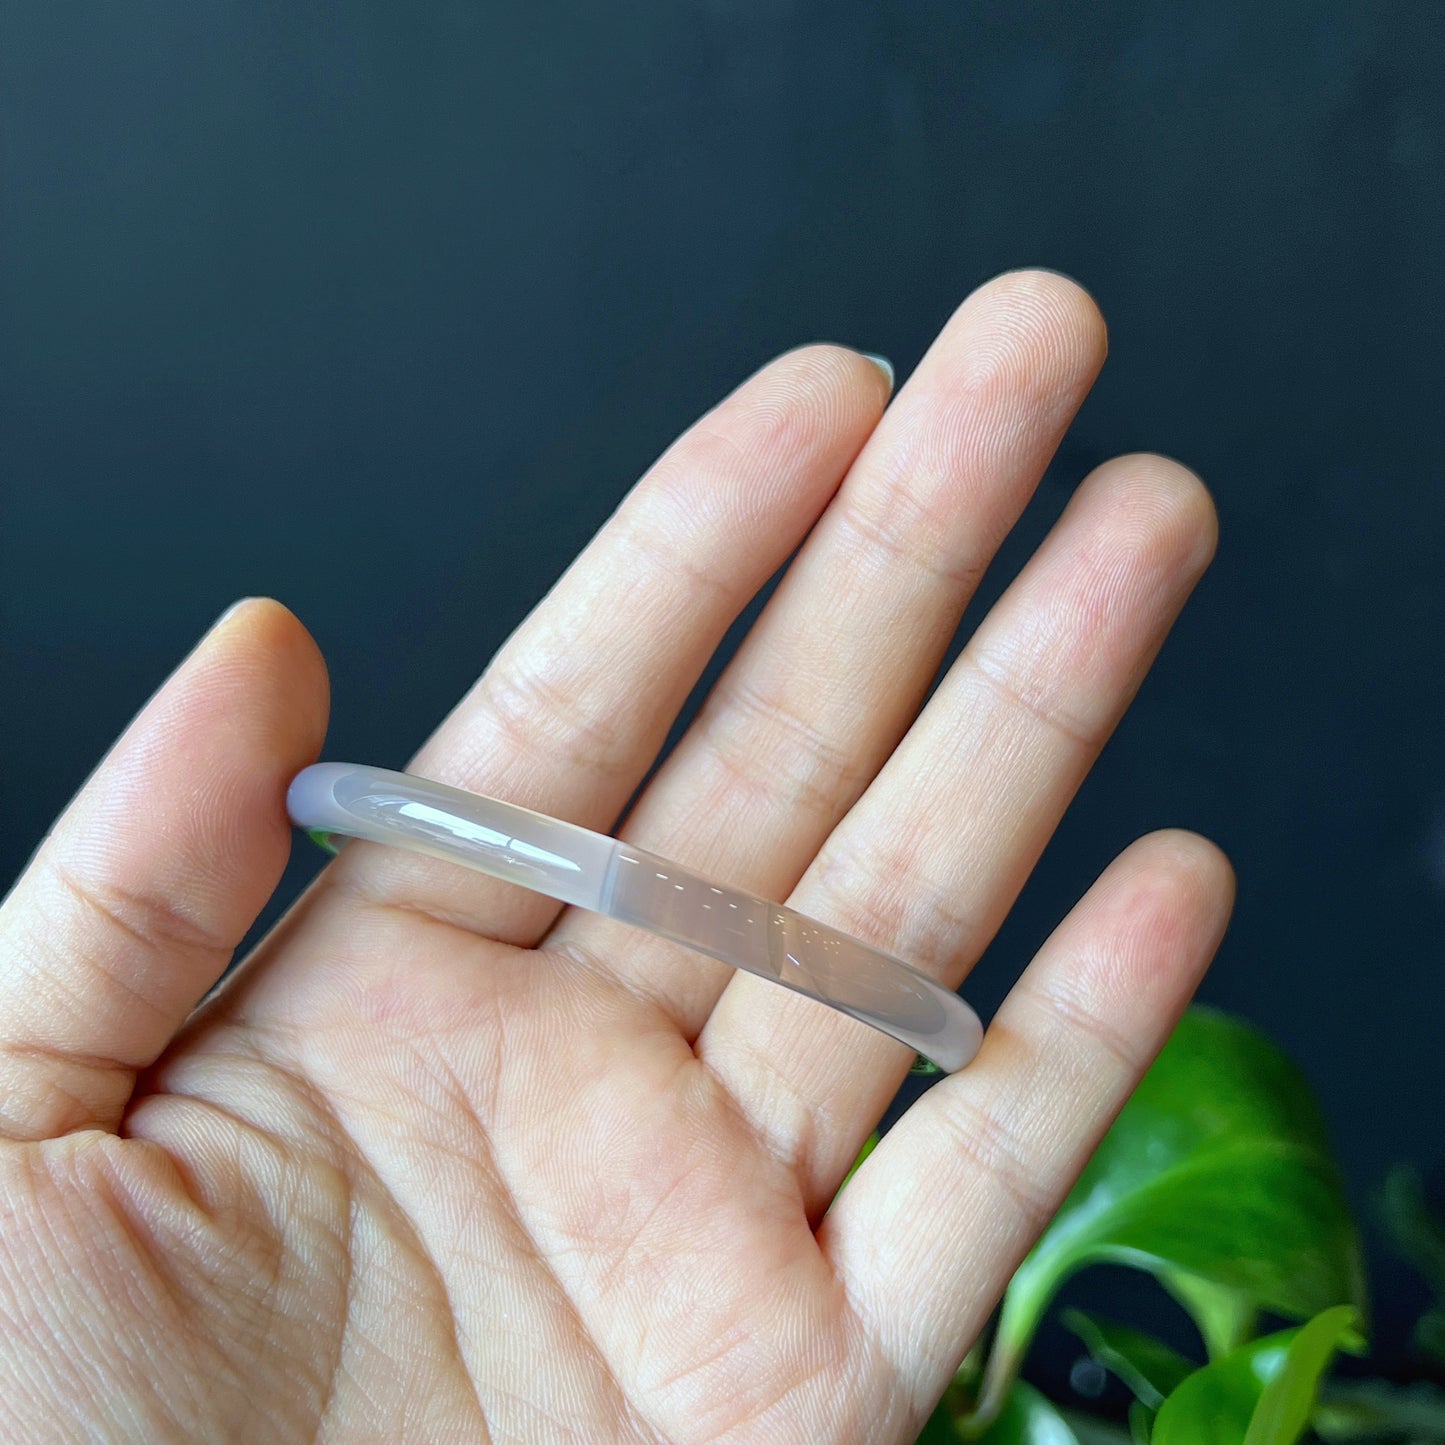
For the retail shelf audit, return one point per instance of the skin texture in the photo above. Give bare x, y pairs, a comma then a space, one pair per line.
444, 1161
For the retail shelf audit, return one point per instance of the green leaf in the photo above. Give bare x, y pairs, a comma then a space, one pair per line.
1224, 1317
1430, 1334
1288, 1399
1214, 1405
1027, 1418
1091, 1431
1418, 1234
869, 1145
1371, 1410
1262, 1394
1218, 1169
1141, 1423
939, 1429
1146, 1365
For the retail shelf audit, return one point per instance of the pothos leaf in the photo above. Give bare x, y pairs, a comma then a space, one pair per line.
1289, 1396
1224, 1317
1262, 1394
1217, 1170
869, 1145
1027, 1418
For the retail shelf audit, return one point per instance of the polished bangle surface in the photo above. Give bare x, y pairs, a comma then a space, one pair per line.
590, 870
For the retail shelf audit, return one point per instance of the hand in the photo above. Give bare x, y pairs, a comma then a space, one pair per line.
444, 1161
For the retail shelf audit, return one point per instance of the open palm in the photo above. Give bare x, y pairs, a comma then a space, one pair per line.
445, 1161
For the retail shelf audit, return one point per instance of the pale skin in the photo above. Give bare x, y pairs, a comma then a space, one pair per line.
445, 1161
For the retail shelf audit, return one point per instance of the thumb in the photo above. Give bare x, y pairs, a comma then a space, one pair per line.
131, 908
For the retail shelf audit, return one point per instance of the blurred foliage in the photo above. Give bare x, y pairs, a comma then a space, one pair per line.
1372, 1410
1420, 1237
1262, 1394
1218, 1180
1147, 1366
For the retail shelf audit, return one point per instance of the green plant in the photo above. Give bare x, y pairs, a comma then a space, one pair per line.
1217, 1179
1420, 1237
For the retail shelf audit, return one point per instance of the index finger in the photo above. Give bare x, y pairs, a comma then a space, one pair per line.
569, 715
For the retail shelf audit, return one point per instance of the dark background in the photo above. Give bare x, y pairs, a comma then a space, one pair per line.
379, 309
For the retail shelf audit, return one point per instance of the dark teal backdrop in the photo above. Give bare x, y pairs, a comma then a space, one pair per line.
379, 308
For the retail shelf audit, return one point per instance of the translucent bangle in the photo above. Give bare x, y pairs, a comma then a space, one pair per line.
590, 870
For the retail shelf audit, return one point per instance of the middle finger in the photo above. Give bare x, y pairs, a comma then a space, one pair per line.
838, 664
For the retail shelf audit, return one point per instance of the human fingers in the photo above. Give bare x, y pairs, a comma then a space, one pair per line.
926, 1235
570, 714
836, 667
130, 909
928, 862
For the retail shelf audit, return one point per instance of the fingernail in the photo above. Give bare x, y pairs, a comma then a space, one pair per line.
883, 364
